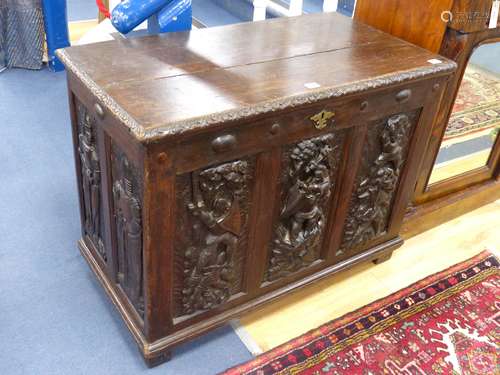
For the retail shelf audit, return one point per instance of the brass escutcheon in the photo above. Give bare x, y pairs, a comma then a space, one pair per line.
321, 119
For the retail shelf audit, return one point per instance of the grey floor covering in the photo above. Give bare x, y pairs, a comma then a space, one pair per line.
54, 317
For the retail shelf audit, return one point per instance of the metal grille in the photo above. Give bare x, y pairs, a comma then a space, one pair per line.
21, 33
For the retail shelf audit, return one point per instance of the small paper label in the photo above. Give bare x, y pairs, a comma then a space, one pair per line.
495, 9
434, 61
312, 85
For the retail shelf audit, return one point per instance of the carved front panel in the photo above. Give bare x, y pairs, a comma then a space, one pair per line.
127, 207
307, 182
91, 179
212, 234
377, 180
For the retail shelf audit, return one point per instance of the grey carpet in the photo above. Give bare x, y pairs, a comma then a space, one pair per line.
54, 316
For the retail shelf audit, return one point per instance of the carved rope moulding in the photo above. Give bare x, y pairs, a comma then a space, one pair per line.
311, 96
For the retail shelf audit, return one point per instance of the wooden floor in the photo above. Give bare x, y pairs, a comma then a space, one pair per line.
78, 28
419, 257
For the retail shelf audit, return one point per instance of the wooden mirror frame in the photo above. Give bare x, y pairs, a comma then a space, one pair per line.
423, 25
460, 48
445, 200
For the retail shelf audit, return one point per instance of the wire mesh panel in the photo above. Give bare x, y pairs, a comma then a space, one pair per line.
21, 33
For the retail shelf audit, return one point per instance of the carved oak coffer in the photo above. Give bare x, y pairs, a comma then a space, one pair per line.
221, 168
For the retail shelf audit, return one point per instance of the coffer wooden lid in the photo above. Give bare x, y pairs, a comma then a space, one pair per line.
182, 82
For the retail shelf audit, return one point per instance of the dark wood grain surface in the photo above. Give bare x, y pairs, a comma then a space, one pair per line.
161, 80
222, 168
471, 15
416, 21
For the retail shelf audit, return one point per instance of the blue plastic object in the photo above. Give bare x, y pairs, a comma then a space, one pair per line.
56, 30
162, 15
176, 16
131, 13
153, 26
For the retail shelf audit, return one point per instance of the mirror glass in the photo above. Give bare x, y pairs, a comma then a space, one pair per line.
475, 120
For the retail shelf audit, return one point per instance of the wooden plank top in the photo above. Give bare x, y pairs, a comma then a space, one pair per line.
180, 82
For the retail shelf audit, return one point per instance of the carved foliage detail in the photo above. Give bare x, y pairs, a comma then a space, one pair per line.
127, 214
91, 179
307, 181
218, 214
372, 199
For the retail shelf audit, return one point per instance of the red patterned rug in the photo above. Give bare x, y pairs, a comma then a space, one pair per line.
477, 106
448, 323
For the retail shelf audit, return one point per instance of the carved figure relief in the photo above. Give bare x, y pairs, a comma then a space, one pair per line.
91, 179
217, 211
127, 212
307, 182
372, 199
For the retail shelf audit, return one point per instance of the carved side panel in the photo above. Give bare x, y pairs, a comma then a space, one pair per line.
91, 179
211, 240
127, 207
309, 171
378, 177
